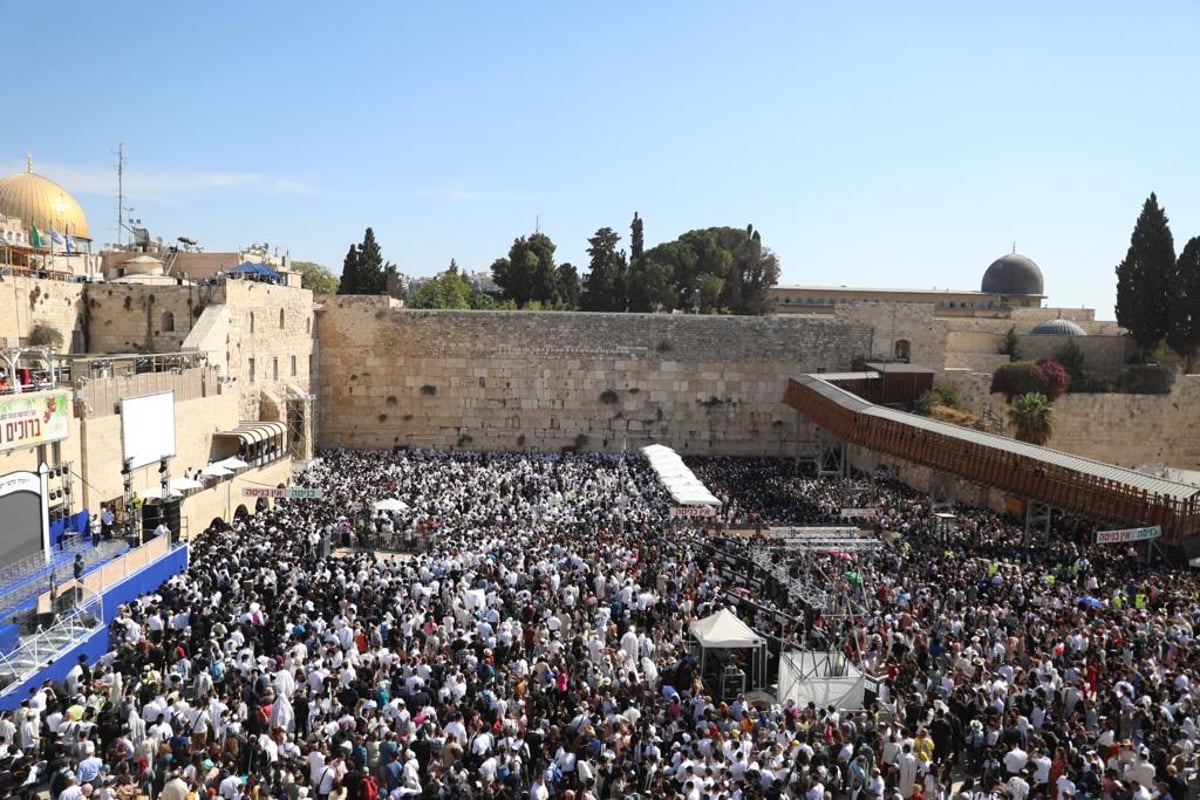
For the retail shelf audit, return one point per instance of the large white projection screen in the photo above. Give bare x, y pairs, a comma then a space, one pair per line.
148, 427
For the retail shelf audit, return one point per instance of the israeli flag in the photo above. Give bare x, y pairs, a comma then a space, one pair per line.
56, 237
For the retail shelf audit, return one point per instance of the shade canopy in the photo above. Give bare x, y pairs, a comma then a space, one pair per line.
155, 492
679, 481
231, 463
723, 630
248, 268
183, 484
390, 504
215, 471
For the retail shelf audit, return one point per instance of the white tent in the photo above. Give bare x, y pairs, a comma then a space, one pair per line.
183, 484
390, 504
724, 631
215, 471
820, 677
155, 492
679, 481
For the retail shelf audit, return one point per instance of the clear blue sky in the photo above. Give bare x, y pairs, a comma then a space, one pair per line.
872, 144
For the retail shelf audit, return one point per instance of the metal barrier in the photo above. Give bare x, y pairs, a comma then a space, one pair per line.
24, 580
81, 616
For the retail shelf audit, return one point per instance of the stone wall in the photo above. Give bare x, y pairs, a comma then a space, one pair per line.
547, 381
141, 318
26, 302
1132, 430
891, 323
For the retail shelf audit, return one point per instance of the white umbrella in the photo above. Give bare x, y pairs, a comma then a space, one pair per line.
390, 504
183, 484
215, 471
233, 462
155, 492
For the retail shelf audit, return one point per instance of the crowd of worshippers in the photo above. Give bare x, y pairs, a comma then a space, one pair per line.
538, 649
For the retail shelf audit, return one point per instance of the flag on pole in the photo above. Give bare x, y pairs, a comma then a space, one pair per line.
70, 243
35, 236
55, 236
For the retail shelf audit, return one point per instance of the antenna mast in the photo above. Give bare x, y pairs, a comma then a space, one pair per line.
120, 194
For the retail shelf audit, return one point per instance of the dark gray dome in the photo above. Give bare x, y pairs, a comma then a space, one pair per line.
1012, 274
1059, 327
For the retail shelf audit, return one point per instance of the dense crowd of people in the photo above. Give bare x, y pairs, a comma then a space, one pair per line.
536, 647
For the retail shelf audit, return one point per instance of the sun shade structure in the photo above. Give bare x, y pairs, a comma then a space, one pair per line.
679, 481
1101, 492
724, 631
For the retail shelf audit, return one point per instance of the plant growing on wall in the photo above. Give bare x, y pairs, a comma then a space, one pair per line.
1010, 345
43, 334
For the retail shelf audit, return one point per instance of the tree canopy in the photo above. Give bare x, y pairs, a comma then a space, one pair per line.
719, 270
316, 277
364, 270
1183, 319
449, 289
1145, 277
604, 286
712, 270
1032, 418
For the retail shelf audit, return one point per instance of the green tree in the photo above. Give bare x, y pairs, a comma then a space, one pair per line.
1010, 345
650, 287
447, 289
637, 241
529, 273
603, 288
1183, 331
1144, 278
350, 272
546, 289
569, 285
1072, 358
1032, 418
364, 270
315, 277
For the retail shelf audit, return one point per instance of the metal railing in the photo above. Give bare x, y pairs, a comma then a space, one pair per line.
24, 580
82, 616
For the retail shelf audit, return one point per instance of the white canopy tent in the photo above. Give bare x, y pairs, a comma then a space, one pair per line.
390, 504
679, 481
215, 471
724, 631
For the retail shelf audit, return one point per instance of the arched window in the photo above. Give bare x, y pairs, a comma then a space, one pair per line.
903, 349
168, 322
281, 318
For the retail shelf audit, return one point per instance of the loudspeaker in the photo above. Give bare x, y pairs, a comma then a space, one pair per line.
171, 517
152, 514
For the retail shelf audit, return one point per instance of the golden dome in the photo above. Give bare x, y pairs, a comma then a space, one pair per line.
28, 196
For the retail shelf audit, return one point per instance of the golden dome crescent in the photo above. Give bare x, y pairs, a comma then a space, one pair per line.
32, 197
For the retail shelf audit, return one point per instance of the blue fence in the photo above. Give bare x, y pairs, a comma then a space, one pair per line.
144, 580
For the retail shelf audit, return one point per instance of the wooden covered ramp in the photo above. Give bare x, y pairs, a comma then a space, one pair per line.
1108, 494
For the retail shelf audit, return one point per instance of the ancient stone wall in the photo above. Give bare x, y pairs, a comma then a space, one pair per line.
548, 381
26, 302
140, 318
